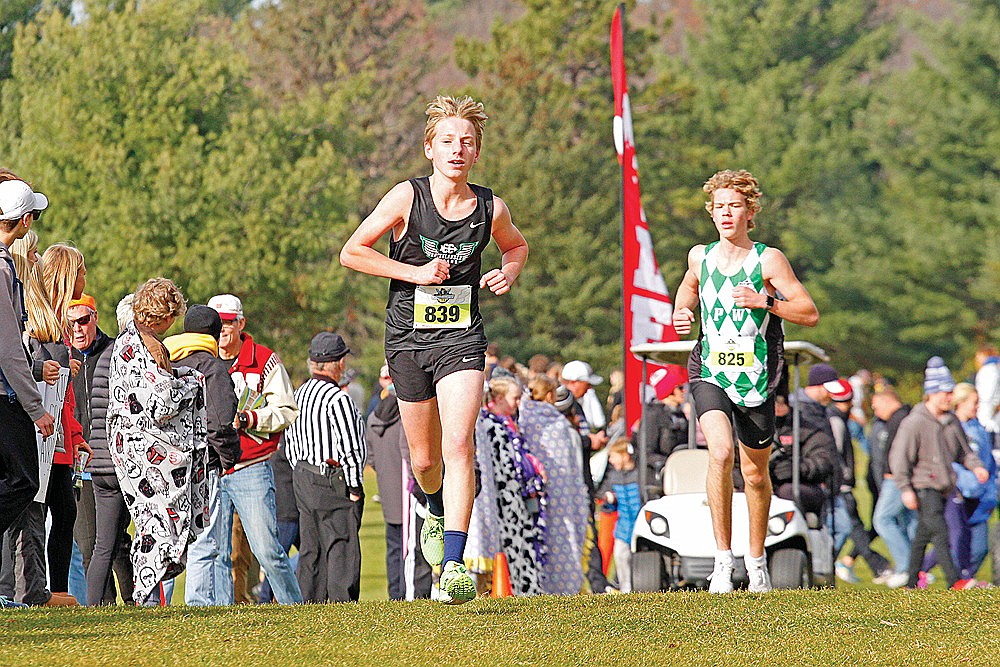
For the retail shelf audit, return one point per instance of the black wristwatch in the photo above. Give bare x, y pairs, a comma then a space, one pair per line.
770, 302
244, 420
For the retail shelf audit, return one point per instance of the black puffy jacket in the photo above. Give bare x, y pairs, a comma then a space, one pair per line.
818, 454
91, 388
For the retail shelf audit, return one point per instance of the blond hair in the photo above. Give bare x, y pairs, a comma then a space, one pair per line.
466, 108
44, 324
542, 388
620, 445
742, 181
157, 300
60, 266
501, 386
961, 393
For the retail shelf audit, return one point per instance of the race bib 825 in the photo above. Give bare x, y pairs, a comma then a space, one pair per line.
731, 352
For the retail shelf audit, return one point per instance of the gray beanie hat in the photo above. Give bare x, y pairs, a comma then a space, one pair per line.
937, 377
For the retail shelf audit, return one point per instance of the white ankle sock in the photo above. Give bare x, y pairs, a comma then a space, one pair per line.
724, 556
755, 563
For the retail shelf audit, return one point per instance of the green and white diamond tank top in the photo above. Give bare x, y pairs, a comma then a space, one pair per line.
740, 350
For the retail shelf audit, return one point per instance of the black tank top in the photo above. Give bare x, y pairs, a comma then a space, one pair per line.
446, 314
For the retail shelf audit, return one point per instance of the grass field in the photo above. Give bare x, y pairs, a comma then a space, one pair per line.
862, 624
843, 627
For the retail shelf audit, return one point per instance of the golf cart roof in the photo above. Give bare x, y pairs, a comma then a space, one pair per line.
676, 352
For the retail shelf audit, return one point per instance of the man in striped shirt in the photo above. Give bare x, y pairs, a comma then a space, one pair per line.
326, 448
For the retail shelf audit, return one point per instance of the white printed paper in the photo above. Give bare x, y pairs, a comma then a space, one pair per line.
52, 400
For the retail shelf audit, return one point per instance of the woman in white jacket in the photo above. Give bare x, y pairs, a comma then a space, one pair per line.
158, 438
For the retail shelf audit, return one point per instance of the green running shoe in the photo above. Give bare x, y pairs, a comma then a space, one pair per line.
432, 539
457, 586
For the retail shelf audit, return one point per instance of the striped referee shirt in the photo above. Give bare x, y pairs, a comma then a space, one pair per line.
329, 427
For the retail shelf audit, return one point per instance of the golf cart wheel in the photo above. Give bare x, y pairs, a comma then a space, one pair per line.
647, 572
790, 568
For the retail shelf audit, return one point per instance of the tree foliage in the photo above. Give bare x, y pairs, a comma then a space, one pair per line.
935, 134
193, 177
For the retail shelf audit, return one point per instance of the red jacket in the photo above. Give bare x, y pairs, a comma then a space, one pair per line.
72, 431
260, 370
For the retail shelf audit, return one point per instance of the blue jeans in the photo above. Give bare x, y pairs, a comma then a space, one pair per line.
77, 576
980, 545
839, 524
203, 556
250, 492
168, 594
288, 536
894, 523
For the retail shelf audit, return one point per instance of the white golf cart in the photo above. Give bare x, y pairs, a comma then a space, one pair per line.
673, 544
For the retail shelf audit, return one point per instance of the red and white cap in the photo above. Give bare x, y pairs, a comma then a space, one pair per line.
840, 390
228, 306
664, 380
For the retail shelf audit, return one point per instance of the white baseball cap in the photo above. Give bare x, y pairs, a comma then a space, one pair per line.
581, 371
17, 198
228, 306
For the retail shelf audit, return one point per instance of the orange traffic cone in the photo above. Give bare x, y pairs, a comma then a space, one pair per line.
501, 577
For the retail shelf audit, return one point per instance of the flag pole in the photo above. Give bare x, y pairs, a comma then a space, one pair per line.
621, 244
643, 453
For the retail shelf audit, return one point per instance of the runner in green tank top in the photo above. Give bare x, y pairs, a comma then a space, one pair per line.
737, 360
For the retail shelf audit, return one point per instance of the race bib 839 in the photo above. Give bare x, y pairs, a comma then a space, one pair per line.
442, 307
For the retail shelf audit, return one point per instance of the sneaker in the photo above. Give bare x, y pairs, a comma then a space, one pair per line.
897, 580
965, 585
846, 573
457, 586
922, 580
432, 539
883, 577
721, 579
760, 580
7, 603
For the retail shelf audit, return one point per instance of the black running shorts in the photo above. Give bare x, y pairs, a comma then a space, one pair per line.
415, 373
754, 426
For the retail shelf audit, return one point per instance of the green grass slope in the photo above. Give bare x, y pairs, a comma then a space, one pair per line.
843, 627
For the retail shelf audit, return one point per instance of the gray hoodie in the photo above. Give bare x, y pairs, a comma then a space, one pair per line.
14, 364
924, 448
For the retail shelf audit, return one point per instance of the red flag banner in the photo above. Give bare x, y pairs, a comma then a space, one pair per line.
647, 303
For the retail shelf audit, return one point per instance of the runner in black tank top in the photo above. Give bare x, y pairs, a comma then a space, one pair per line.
435, 343
460, 243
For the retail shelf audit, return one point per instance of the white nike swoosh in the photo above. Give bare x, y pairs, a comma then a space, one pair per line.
466, 360
764, 442
473, 225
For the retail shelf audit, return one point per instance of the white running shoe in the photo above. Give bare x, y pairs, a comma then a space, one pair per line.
721, 579
897, 580
760, 580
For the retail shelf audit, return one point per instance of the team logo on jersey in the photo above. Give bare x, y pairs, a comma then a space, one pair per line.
449, 252
443, 295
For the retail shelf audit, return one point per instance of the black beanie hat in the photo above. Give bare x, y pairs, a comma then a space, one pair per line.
203, 320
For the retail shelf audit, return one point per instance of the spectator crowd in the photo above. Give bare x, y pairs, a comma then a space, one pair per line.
254, 488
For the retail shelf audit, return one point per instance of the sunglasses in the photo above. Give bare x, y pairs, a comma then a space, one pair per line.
81, 321
35, 215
